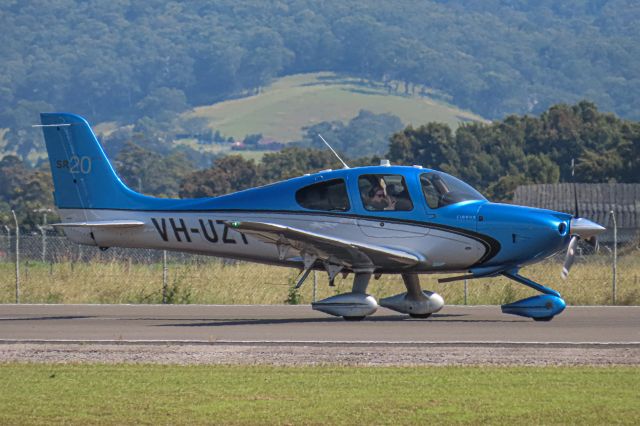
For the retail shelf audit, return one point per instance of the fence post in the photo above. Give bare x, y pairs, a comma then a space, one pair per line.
465, 291
44, 243
615, 257
15, 219
164, 277
8, 231
43, 231
315, 285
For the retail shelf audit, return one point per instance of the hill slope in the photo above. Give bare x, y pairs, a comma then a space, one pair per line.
282, 109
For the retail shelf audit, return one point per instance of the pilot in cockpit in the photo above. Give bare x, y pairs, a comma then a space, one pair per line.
378, 199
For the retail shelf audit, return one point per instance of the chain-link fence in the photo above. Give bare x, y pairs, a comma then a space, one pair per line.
49, 246
53, 269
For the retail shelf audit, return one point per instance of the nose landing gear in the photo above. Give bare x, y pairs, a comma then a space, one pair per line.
540, 308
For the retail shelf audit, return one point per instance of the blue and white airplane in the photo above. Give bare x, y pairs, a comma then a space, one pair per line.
367, 221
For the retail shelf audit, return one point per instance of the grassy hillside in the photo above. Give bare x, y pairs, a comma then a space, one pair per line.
281, 110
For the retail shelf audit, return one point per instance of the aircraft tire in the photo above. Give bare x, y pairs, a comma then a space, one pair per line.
357, 318
423, 316
543, 318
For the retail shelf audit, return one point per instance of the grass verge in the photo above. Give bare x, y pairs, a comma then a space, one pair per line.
154, 394
214, 282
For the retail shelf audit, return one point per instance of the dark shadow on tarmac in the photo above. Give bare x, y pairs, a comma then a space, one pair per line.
65, 317
387, 318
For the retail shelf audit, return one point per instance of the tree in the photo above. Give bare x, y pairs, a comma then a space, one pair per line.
293, 162
364, 135
520, 150
227, 174
430, 145
24, 190
252, 140
151, 173
22, 138
163, 103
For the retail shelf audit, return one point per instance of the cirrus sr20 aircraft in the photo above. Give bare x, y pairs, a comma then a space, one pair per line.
364, 221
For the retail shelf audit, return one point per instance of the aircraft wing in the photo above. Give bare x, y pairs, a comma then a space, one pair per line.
328, 248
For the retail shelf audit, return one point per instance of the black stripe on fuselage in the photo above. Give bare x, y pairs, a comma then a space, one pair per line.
492, 245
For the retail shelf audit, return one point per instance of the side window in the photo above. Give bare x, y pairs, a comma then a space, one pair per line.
384, 192
431, 194
329, 196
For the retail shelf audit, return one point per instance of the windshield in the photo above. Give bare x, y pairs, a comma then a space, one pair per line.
441, 190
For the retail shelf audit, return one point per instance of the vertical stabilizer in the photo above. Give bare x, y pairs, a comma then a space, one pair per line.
82, 175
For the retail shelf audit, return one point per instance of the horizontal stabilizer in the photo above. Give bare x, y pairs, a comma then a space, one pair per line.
101, 224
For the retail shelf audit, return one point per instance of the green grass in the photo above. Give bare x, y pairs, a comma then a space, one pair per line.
167, 394
290, 103
213, 282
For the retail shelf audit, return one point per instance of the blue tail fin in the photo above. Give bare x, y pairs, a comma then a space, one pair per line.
82, 175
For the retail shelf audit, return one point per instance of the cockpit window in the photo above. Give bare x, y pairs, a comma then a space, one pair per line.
441, 190
328, 196
384, 192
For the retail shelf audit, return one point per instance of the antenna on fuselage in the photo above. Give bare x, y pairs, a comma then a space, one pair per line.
334, 152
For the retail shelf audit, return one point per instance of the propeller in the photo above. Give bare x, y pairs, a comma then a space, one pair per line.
570, 256
580, 228
573, 243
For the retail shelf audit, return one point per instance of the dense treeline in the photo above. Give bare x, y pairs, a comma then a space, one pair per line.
498, 157
494, 157
123, 60
364, 135
26, 190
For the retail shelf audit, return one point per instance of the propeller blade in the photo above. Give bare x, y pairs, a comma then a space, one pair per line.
570, 257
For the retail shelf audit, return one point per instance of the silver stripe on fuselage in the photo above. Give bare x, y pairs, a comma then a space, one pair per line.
206, 233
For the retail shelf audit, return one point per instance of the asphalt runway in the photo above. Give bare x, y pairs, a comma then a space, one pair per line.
300, 325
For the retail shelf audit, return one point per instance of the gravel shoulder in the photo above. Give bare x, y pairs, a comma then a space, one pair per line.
294, 355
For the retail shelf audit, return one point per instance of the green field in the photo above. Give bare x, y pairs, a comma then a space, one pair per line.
168, 394
290, 103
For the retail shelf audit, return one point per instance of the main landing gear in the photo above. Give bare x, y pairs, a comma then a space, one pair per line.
357, 304
416, 302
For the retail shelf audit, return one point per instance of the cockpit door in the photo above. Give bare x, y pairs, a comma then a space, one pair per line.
387, 207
